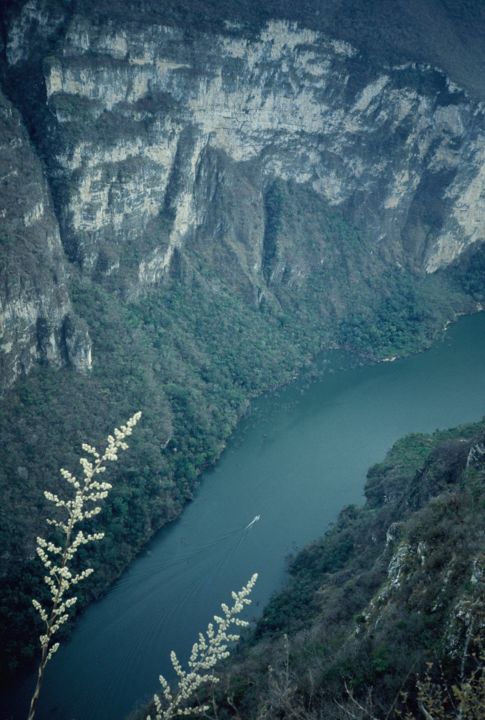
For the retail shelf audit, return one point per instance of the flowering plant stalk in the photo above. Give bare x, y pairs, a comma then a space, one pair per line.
60, 578
211, 647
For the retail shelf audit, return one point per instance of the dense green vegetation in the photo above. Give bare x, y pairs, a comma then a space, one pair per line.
469, 272
355, 298
192, 375
392, 586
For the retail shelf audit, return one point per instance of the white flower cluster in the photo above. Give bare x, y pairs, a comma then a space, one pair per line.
86, 492
211, 647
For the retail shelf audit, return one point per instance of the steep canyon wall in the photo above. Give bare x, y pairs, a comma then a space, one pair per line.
195, 199
160, 148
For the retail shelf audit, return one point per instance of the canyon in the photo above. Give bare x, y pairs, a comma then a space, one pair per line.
196, 200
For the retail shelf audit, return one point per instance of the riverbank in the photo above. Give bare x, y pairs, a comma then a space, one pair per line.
193, 376
283, 463
384, 611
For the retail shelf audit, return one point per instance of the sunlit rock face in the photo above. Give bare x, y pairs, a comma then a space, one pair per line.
140, 111
161, 146
34, 300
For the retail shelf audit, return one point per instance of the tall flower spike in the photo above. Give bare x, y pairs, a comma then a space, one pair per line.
206, 653
85, 493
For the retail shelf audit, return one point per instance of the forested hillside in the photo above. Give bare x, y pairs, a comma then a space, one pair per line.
384, 615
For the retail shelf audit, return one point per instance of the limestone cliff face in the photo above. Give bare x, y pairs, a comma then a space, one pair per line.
36, 318
162, 148
142, 121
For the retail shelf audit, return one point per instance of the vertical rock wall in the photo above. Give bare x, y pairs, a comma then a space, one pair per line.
36, 318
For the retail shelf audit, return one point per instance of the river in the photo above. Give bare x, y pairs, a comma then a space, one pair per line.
299, 456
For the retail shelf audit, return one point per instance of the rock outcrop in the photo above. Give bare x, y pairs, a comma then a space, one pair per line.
142, 124
36, 318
